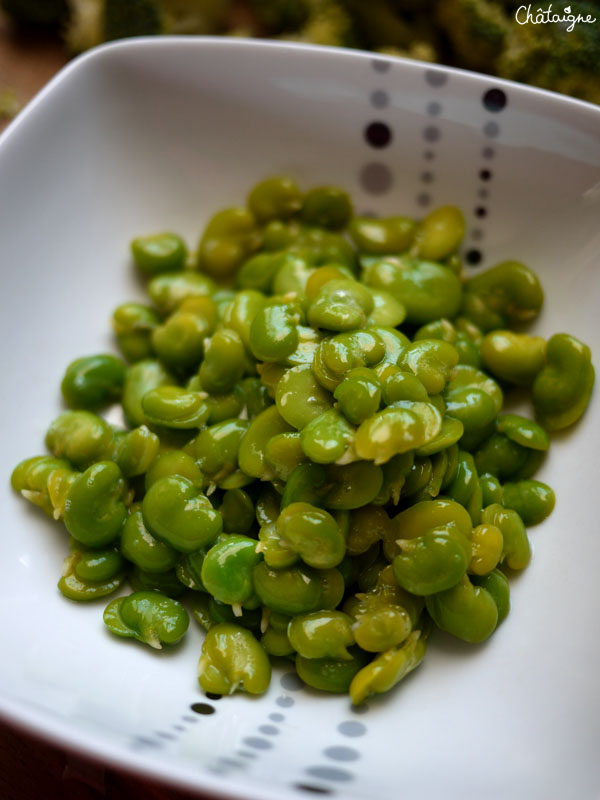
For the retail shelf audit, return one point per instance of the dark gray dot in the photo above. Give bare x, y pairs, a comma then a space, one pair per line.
483, 193
375, 178
436, 77
476, 234
305, 787
329, 773
494, 100
269, 730
427, 177
276, 716
379, 99
381, 64
361, 709
291, 682
491, 129
285, 702
341, 753
428, 155
485, 174
488, 152
164, 735
378, 134
434, 109
473, 257
203, 708
431, 133
352, 728
480, 212
257, 743
246, 754
424, 199
213, 696
178, 727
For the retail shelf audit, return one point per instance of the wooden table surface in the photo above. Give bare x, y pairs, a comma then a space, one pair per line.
31, 769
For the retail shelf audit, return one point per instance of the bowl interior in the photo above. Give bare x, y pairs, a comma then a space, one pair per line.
156, 135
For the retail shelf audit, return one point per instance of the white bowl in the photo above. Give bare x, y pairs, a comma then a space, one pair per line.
156, 134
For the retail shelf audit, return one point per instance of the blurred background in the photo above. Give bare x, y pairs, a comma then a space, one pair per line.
38, 36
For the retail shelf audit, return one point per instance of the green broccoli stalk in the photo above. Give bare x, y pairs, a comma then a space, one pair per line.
327, 23
554, 58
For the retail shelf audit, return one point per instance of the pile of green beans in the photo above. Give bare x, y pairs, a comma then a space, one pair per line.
317, 463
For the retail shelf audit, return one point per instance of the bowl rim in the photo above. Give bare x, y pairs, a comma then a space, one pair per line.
62, 733
105, 51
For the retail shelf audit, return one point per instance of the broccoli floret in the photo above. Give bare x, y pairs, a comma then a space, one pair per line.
280, 16
551, 57
41, 13
327, 23
94, 21
475, 29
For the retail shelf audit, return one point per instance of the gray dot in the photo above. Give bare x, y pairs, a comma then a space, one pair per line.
476, 234
380, 65
424, 199
488, 152
379, 99
246, 754
216, 770
436, 77
330, 773
352, 728
257, 743
143, 741
491, 129
428, 155
187, 718
164, 735
276, 717
269, 730
341, 753
427, 177
178, 727
434, 109
291, 682
305, 787
431, 133
229, 762
375, 178
285, 702
483, 193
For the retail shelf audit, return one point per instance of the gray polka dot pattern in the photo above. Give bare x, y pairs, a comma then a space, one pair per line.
436, 77
379, 99
341, 753
285, 702
276, 717
330, 773
375, 178
291, 682
431, 133
434, 109
257, 743
269, 730
352, 728
381, 65
491, 129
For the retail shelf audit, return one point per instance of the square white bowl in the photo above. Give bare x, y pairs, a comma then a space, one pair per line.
157, 134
